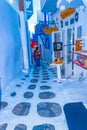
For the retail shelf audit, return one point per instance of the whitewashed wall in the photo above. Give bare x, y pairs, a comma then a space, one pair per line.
10, 43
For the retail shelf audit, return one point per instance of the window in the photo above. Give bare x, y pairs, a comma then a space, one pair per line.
79, 31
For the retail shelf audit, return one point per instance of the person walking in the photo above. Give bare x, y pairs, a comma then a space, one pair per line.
37, 56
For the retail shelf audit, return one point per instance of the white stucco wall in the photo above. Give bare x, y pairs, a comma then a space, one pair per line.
81, 22
10, 43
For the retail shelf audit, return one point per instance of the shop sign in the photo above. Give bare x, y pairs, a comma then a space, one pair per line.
57, 46
78, 46
66, 13
28, 3
50, 30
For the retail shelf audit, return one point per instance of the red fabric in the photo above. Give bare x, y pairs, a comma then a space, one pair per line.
34, 43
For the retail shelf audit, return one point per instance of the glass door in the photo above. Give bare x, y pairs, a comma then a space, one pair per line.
69, 49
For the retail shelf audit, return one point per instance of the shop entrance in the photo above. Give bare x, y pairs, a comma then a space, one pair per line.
68, 36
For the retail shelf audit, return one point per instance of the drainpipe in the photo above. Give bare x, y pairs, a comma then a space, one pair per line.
23, 36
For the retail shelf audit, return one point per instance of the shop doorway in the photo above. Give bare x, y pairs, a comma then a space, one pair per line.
68, 40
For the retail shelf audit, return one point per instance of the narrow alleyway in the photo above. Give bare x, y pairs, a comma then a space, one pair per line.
36, 101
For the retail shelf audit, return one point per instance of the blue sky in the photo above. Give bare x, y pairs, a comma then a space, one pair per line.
33, 20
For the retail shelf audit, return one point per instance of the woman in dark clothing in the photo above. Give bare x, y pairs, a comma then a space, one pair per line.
37, 56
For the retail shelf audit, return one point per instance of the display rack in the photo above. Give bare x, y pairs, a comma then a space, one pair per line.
80, 58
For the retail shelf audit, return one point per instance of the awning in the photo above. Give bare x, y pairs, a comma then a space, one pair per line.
67, 12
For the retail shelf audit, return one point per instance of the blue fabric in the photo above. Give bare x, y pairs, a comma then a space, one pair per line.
0, 94
37, 60
76, 116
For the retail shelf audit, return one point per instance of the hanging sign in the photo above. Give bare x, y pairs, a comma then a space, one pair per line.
66, 13
50, 30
